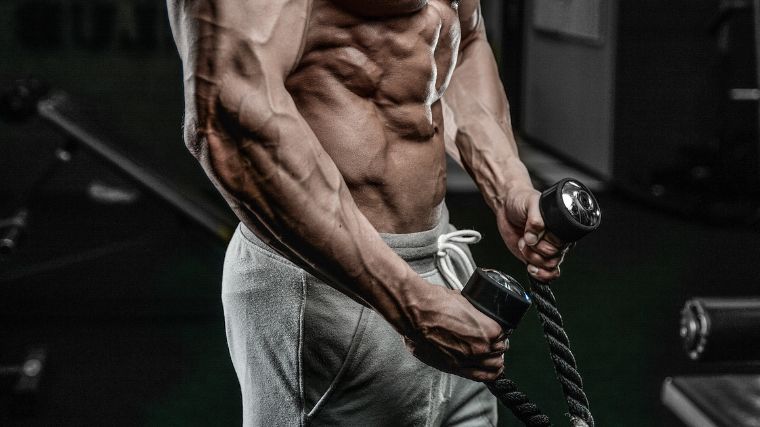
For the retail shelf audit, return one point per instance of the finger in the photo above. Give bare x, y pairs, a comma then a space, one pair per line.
545, 258
543, 275
546, 249
492, 364
493, 331
505, 347
554, 240
534, 225
543, 254
540, 261
481, 375
551, 245
499, 347
505, 333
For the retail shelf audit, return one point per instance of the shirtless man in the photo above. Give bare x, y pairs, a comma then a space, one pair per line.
325, 125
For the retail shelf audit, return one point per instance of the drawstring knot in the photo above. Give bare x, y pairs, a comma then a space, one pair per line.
447, 247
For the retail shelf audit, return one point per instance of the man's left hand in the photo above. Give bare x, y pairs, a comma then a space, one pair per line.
523, 230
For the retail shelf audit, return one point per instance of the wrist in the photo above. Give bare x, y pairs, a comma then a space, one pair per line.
413, 299
514, 181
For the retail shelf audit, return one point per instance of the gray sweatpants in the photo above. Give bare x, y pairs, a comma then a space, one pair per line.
305, 354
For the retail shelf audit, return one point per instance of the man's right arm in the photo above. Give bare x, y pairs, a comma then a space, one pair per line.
244, 128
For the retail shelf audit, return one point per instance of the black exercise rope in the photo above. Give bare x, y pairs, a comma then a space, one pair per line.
564, 362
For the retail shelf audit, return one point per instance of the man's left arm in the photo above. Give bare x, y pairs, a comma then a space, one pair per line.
485, 146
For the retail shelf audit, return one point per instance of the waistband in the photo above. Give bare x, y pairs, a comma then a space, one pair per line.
417, 249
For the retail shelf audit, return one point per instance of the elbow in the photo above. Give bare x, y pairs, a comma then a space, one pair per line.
220, 161
235, 140
235, 128
241, 110
193, 141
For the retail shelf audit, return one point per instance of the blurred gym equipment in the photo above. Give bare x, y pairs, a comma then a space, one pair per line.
93, 257
724, 332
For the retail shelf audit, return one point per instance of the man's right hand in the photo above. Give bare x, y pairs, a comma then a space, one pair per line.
453, 336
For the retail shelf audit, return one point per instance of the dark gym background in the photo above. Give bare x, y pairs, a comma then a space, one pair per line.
125, 296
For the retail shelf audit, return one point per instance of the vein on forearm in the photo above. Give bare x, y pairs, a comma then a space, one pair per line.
484, 138
260, 152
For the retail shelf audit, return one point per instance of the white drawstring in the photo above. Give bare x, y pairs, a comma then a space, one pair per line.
443, 256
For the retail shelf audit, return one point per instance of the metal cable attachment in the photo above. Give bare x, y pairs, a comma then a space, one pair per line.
564, 361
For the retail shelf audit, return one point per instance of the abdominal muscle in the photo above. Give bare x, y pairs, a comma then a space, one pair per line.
370, 90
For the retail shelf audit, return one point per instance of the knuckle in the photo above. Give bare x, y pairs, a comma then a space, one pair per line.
497, 363
542, 263
496, 333
544, 276
532, 256
535, 222
549, 250
480, 349
554, 240
491, 376
483, 376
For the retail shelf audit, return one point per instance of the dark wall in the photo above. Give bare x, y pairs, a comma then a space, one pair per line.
511, 55
673, 122
117, 56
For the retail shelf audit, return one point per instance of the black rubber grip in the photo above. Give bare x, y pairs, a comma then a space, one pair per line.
498, 296
570, 210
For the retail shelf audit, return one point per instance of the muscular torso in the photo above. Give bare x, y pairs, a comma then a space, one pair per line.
369, 86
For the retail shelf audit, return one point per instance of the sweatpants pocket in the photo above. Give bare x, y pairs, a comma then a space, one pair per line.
333, 327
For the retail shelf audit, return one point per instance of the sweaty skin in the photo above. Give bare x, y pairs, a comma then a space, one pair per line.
322, 124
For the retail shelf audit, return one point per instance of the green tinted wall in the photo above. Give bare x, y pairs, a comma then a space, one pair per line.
117, 55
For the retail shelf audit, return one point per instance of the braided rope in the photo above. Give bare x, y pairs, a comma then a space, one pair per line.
517, 402
559, 346
564, 362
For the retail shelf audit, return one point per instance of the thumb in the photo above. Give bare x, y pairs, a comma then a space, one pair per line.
534, 225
